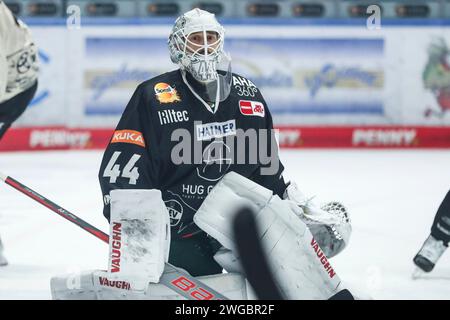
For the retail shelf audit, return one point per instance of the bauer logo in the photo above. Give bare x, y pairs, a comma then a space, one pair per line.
384, 137
165, 93
190, 287
128, 136
116, 245
252, 108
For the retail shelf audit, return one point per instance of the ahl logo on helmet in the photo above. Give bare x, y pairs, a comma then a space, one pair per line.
165, 93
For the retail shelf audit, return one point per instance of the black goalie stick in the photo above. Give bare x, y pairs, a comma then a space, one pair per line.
253, 259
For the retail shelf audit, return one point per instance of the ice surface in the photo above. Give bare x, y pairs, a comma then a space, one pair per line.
392, 197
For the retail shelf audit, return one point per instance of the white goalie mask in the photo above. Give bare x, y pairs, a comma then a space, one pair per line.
201, 60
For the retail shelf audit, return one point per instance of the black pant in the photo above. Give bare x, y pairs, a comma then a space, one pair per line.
11, 109
195, 255
441, 224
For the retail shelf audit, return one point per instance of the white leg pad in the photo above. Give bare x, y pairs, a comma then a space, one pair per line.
229, 194
300, 268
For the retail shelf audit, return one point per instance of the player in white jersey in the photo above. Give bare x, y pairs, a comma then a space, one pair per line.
18, 68
18, 73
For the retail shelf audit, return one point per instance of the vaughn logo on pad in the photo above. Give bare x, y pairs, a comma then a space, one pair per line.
252, 108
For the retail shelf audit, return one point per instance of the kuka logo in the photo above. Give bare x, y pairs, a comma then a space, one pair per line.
128, 136
165, 93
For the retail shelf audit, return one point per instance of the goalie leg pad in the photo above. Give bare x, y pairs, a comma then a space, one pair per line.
300, 267
140, 236
3, 261
231, 193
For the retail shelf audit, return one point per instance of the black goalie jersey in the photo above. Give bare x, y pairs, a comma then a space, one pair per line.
167, 139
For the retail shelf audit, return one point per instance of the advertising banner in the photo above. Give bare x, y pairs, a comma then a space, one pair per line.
310, 75
291, 137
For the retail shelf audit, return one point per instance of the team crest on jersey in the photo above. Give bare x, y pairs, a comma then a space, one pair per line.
128, 136
165, 93
252, 108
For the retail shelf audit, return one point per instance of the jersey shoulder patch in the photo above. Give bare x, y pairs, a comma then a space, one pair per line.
244, 87
163, 89
240, 80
